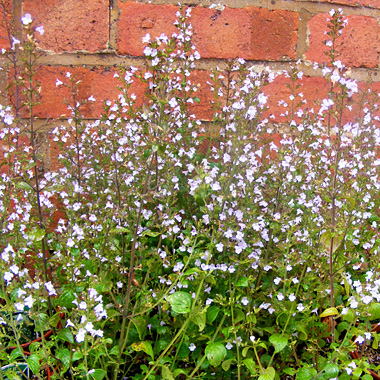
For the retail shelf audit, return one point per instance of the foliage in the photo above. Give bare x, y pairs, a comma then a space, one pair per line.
157, 251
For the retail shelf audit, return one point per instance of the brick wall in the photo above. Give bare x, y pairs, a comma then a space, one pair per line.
92, 37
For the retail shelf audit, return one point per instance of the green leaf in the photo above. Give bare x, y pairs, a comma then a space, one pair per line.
196, 99
15, 354
140, 324
23, 185
250, 364
302, 334
243, 282
144, 346
180, 302
34, 363
66, 299
326, 239
37, 234
151, 233
331, 370
198, 316
98, 374
64, 356
375, 343
239, 315
374, 311
329, 311
306, 374
279, 342
190, 271
227, 364
114, 350
289, 371
77, 355
349, 316
267, 374
212, 313
166, 373
346, 287
178, 371
66, 335
215, 353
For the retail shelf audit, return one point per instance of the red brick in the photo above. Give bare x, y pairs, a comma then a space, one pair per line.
250, 33
70, 25
353, 3
359, 41
314, 90
136, 20
202, 110
226, 34
5, 22
274, 34
98, 82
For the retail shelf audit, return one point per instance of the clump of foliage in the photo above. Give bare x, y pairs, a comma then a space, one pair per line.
157, 251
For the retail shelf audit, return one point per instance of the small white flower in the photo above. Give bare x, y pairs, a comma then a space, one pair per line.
80, 336
50, 288
29, 301
146, 39
292, 297
300, 307
359, 339
19, 306
27, 19
229, 345
192, 347
245, 301
219, 247
368, 335
40, 29
252, 338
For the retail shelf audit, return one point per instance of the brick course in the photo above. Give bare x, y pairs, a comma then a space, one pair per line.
93, 37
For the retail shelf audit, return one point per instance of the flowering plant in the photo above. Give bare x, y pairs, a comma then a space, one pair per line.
156, 250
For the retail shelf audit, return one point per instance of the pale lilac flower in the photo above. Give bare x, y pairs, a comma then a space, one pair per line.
245, 301
50, 288
26, 19
81, 335
40, 29
192, 347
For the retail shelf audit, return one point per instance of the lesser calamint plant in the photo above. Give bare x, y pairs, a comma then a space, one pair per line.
257, 258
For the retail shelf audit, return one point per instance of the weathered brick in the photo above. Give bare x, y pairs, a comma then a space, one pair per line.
353, 3
5, 23
274, 34
359, 42
222, 34
137, 20
99, 82
313, 89
250, 33
71, 25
